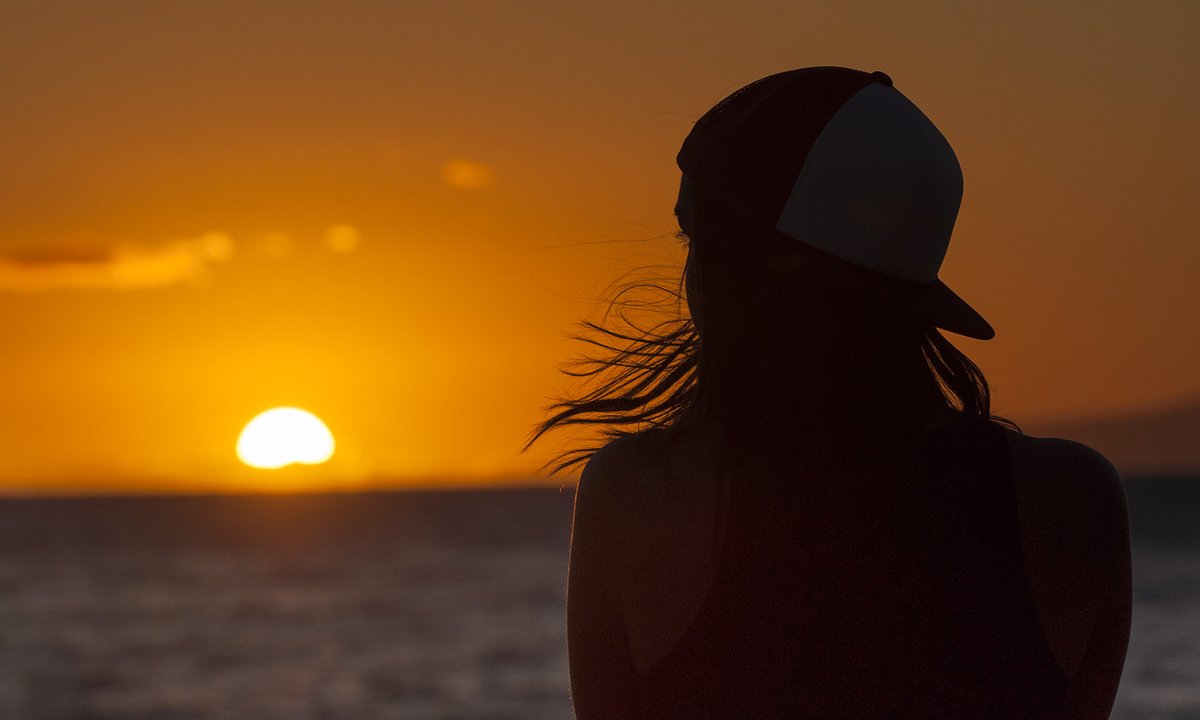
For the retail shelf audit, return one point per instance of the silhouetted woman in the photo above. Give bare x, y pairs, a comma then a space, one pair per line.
806, 508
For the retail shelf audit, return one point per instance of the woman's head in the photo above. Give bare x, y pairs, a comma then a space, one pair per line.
817, 205
835, 160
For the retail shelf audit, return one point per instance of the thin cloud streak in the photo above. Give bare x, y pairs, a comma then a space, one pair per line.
90, 263
119, 265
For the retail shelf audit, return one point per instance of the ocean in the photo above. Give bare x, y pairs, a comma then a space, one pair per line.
413, 605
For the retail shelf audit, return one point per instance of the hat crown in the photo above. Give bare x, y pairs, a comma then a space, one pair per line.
881, 188
836, 158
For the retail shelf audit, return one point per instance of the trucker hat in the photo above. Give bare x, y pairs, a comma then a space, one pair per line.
842, 161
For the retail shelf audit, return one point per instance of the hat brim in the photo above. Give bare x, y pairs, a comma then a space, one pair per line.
933, 303
943, 308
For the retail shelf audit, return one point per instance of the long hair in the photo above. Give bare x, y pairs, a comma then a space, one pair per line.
649, 365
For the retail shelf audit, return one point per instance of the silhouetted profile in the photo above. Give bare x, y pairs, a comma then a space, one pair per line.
805, 508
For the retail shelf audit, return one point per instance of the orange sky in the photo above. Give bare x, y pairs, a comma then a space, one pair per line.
171, 173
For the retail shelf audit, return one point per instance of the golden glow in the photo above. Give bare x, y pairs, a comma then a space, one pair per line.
216, 246
283, 436
404, 252
468, 175
342, 238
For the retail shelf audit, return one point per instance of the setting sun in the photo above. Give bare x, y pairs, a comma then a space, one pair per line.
283, 436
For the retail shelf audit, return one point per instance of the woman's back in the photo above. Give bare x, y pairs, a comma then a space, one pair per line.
913, 604
839, 548
910, 589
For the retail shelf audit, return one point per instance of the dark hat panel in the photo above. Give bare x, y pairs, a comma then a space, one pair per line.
749, 148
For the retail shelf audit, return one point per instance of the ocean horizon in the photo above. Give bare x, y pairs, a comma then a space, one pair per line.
390, 604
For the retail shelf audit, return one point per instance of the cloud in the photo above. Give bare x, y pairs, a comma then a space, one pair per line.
342, 238
468, 175
88, 263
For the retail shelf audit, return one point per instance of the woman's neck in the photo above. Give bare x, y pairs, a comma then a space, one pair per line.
853, 396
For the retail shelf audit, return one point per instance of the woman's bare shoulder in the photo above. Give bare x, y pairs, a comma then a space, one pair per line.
1075, 538
640, 515
642, 462
640, 487
1069, 480
611, 481
615, 468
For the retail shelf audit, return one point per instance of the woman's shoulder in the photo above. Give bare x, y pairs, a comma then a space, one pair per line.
611, 479
617, 468
1070, 497
1068, 476
639, 523
1075, 537
643, 482
645, 461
